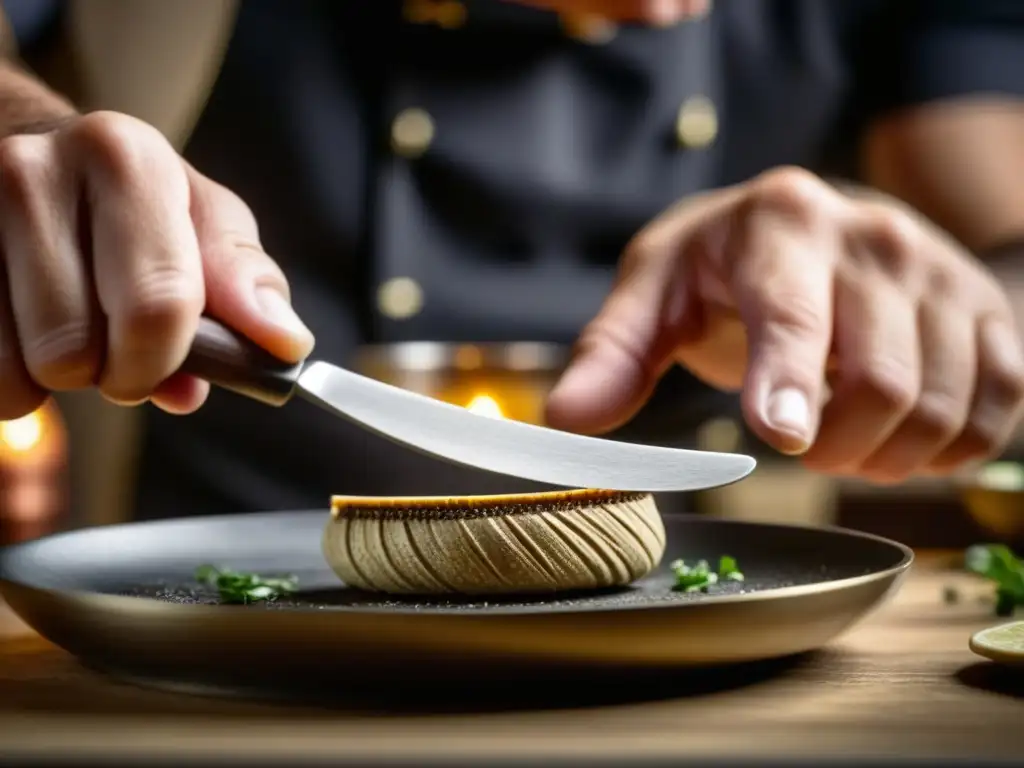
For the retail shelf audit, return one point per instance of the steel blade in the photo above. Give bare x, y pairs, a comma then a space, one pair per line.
513, 448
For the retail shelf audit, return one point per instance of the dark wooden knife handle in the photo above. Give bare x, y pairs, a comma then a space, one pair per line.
229, 360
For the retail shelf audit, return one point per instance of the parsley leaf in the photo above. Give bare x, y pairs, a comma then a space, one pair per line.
727, 569
700, 577
244, 588
1000, 565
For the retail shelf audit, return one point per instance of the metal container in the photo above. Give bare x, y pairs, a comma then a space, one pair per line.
994, 498
507, 380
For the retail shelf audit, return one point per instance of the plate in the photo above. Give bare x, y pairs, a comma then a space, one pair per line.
122, 599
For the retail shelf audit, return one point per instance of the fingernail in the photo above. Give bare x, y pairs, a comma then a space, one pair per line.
279, 312
789, 412
124, 403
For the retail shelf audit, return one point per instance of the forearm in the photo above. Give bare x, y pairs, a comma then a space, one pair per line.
960, 163
26, 103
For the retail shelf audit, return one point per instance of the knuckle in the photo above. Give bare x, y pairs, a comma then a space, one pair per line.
240, 249
163, 302
237, 253
980, 440
793, 311
792, 191
1003, 386
118, 146
887, 385
894, 244
602, 333
896, 233
942, 284
214, 204
996, 412
639, 250
938, 417
148, 330
62, 357
24, 163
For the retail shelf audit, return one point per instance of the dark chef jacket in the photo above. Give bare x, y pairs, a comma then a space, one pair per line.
495, 160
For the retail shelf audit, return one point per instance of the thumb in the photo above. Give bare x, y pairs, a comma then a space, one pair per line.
624, 350
245, 289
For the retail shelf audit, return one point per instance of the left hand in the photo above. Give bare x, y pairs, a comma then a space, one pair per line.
862, 337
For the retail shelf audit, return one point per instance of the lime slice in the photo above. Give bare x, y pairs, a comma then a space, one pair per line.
1003, 643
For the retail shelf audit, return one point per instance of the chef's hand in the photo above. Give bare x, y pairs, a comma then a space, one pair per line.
861, 336
113, 247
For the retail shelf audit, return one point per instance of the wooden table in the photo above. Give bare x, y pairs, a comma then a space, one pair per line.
902, 684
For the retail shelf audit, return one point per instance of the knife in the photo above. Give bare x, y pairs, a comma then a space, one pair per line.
452, 433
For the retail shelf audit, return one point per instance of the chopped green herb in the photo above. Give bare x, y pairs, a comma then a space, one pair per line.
240, 587
700, 577
950, 595
727, 569
999, 564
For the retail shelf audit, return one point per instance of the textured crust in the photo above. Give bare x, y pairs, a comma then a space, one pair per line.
523, 543
469, 507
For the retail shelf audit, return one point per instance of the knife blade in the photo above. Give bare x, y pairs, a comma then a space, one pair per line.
452, 433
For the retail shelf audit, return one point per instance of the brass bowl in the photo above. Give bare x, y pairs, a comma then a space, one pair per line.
994, 498
511, 380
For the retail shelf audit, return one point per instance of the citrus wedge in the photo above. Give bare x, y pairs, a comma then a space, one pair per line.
1003, 643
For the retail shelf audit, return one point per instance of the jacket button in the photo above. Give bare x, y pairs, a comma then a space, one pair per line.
588, 29
697, 123
412, 132
447, 14
400, 298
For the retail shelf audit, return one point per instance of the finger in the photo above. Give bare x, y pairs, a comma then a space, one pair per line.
19, 393
878, 376
146, 263
625, 349
654, 310
782, 282
997, 402
59, 329
245, 288
949, 365
181, 394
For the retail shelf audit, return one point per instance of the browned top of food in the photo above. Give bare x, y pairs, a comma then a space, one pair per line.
465, 507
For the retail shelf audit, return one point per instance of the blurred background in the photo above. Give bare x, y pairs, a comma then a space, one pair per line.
75, 462
56, 472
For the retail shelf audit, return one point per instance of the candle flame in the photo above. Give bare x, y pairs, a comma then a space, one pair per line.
485, 405
22, 434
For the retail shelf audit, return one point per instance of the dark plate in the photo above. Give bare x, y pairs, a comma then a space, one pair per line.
123, 599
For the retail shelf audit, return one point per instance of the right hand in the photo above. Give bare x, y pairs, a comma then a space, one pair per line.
113, 247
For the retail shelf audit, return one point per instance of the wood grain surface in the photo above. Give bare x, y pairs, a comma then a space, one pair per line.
901, 684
